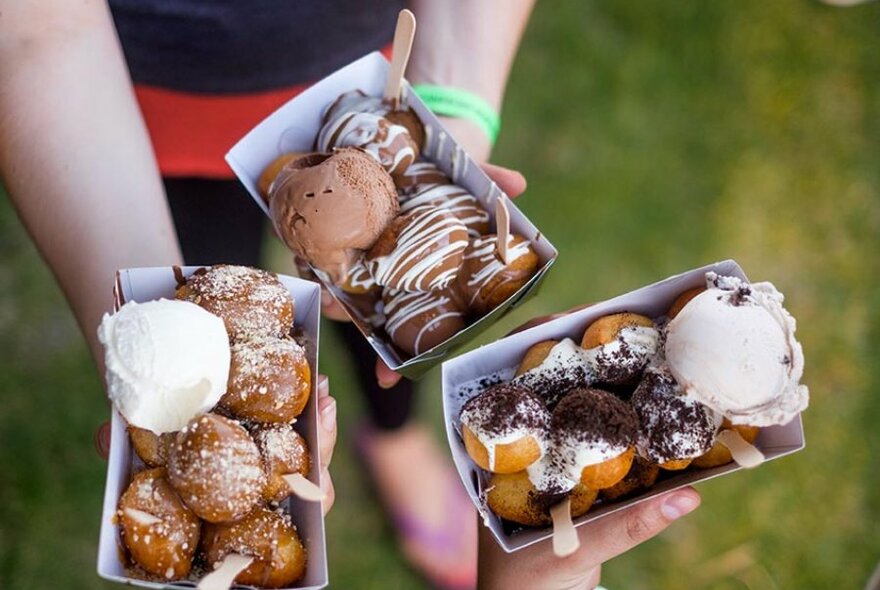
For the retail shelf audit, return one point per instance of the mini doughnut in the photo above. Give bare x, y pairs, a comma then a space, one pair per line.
270, 172
152, 448
159, 531
269, 380
356, 101
454, 199
513, 497
504, 428
640, 477
486, 280
607, 328
593, 436
419, 176
417, 322
719, 454
551, 369
683, 300
389, 144
284, 451
251, 302
535, 355
216, 468
620, 346
419, 251
267, 536
674, 428
359, 281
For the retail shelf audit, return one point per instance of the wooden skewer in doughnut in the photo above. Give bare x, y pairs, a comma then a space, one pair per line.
742, 451
224, 576
502, 223
303, 488
403, 40
565, 538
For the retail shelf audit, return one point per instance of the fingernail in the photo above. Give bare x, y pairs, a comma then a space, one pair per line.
328, 415
323, 385
326, 298
678, 505
102, 441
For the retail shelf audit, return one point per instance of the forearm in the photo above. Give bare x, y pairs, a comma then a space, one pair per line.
468, 44
75, 157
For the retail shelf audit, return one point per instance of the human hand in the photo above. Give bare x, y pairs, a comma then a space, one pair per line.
513, 184
539, 568
326, 439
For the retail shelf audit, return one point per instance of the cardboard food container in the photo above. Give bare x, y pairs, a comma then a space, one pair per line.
467, 375
293, 128
146, 284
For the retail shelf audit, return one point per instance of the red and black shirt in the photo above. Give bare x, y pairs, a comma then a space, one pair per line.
207, 71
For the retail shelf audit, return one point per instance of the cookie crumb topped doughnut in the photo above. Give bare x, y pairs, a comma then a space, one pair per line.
593, 437
505, 428
674, 429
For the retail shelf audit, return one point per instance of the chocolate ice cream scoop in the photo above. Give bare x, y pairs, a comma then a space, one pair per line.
391, 145
419, 251
330, 208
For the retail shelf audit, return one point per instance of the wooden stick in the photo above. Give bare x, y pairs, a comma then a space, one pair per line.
403, 40
743, 452
141, 517
502, 225
224, 576
303, 488
565, 538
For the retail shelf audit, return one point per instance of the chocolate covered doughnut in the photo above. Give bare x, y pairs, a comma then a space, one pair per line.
419, 251
417, 322
486, 280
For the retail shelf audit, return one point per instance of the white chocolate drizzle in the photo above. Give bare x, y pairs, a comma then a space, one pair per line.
424, 246
455, 199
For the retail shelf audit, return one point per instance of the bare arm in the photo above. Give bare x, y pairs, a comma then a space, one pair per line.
74, 152
468, 44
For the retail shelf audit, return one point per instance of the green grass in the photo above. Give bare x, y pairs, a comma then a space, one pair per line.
656, 137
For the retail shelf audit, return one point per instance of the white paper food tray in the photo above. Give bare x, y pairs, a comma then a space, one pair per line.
499, 359
293, 128
146, 284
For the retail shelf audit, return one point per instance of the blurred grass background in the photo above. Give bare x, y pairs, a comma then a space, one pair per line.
656, 136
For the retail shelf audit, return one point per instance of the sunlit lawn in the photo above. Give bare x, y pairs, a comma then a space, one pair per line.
656, 137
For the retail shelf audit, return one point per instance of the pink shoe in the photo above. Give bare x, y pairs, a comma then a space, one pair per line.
445, 554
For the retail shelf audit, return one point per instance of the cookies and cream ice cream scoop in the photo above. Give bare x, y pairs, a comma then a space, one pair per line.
733, 348
166, 360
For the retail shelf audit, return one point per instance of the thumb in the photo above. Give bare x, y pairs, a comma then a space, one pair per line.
620, 532
385, 376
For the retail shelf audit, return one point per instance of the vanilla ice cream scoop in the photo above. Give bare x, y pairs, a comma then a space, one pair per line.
733, 348
167, 361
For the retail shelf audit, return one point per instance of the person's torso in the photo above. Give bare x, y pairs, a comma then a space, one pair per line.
241, 46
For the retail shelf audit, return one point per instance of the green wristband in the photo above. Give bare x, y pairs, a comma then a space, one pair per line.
454, 102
